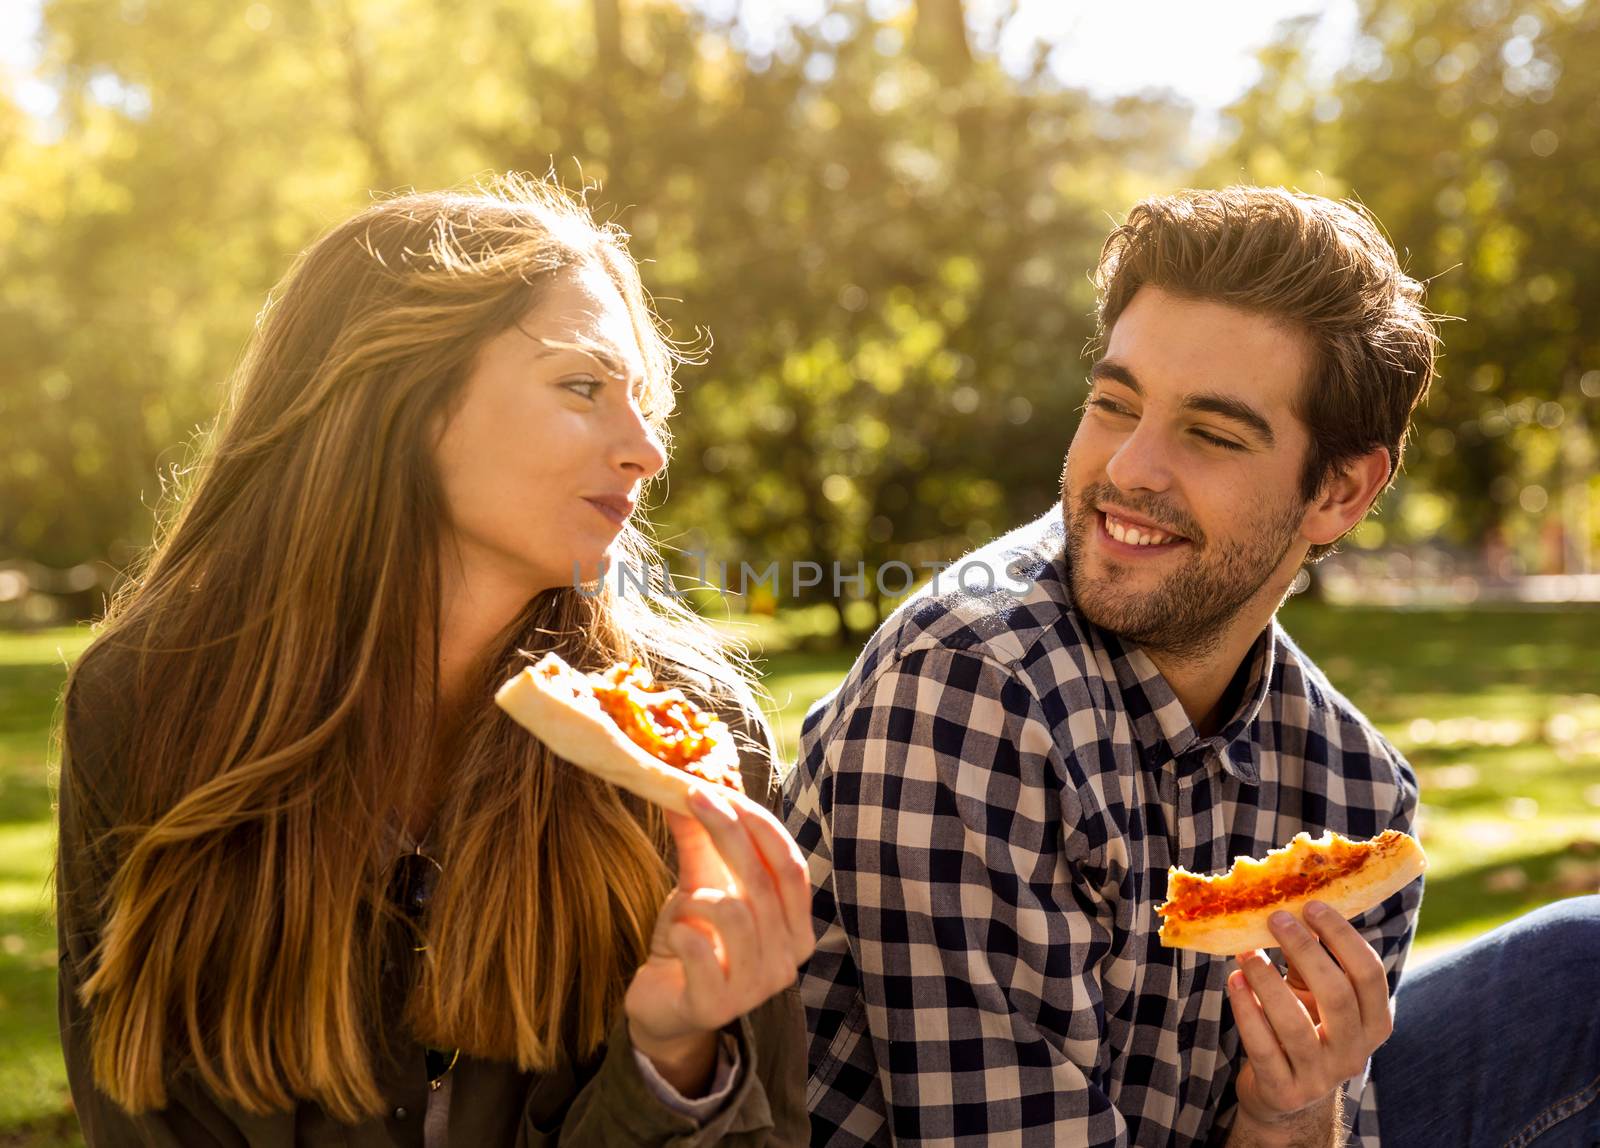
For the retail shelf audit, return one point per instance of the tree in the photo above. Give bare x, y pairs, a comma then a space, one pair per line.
1473, 133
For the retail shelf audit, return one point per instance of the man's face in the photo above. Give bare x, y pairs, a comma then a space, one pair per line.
1181, 491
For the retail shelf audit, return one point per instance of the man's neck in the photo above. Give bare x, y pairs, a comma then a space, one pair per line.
1200, 681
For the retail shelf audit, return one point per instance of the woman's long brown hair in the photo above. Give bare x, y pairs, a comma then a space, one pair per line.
278, 649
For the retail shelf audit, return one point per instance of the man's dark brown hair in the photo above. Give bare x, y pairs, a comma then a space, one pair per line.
1321, 266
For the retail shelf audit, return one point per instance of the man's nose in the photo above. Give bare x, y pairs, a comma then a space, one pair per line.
1141, 462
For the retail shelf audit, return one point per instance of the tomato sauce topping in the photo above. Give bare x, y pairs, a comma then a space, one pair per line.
663, 723
1194, 898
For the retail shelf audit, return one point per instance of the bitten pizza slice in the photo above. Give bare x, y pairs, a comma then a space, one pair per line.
1227, 913
621, 726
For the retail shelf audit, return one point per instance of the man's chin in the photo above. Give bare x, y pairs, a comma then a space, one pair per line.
1111, 603
1094, 604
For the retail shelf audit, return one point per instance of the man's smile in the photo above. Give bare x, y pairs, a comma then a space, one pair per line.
1130, 537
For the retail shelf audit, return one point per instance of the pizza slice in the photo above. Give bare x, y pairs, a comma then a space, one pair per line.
621, 726
1227, 913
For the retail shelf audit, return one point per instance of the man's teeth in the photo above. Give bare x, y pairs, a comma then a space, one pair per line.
1135, 536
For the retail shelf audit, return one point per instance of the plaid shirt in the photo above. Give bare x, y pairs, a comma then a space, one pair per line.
990, 803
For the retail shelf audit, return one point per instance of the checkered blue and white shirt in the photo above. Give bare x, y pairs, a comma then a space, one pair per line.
990, 803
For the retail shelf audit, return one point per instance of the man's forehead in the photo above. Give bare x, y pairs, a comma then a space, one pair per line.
1175, 345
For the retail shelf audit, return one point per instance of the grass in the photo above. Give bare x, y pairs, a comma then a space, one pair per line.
33, 1088
1498, 710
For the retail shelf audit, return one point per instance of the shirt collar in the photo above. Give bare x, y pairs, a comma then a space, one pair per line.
1161, 727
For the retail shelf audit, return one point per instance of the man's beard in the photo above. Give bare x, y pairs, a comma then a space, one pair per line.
1186, 614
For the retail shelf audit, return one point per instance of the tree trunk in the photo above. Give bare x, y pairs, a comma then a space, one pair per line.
940, 39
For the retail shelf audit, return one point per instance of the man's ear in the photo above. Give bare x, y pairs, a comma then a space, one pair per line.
1345, 497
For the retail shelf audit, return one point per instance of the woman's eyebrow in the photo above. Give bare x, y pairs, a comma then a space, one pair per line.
613, 362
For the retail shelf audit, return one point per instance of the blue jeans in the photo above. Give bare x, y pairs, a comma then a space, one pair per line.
1498, 1044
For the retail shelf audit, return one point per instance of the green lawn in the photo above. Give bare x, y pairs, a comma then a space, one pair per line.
1498, 710
32, 1080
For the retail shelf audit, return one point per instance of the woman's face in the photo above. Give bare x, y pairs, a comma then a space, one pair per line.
543, 459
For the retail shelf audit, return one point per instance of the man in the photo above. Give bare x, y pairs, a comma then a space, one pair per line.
992, 798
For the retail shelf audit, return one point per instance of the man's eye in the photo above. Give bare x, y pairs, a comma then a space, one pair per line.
585, 387
1214, 440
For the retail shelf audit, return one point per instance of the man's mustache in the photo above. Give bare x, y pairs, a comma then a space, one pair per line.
1168, 518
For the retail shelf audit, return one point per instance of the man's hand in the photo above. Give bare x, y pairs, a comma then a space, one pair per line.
1302, 1042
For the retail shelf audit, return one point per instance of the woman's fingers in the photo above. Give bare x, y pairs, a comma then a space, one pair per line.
730, 920
781, 858
700, 866
768, 874
753, 966
704, 980
716, 813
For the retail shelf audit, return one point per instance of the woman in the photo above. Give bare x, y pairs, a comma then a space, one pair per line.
314, 888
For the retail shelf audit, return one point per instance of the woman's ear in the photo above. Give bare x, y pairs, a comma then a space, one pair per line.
1345, 497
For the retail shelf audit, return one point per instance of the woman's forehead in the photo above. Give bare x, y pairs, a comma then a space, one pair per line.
582, 309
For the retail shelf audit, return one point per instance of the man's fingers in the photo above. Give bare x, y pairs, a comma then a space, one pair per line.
1336, 1007
1256, 1036
1363, 969
1289, 1019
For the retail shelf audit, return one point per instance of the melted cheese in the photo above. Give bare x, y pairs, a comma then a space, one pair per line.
1296, 870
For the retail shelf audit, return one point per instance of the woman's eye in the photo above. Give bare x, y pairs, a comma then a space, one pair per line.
1110, 407
584, 388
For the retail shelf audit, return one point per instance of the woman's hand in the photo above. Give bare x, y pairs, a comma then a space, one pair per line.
733, 933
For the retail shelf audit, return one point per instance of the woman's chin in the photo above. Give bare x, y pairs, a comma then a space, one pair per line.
588, 570
583, 566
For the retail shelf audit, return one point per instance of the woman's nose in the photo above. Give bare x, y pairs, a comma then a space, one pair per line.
639, 448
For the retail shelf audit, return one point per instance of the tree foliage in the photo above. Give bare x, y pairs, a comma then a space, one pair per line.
886, 234
1472, 131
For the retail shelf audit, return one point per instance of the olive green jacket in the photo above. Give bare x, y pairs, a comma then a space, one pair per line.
492, 1103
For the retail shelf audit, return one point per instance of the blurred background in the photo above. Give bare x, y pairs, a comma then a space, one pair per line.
884, 213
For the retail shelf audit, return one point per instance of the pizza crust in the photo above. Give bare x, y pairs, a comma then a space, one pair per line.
556, 704
1394, 862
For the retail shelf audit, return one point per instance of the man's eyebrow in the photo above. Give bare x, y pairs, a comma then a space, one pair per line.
1225, 406
1237, 410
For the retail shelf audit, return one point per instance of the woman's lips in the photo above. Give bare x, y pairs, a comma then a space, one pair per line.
615, 509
